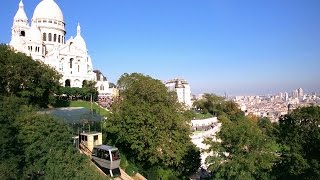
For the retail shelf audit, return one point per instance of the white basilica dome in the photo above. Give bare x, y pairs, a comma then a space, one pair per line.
48, 9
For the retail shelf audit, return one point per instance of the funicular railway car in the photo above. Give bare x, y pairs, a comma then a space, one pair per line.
107, 157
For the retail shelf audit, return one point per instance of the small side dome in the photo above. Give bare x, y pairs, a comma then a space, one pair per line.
79, 41
21, 14
34, 34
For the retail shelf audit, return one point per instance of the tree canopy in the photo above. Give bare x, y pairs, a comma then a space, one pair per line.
37, 146
149, 124
33, 145
23, 77
242, 151
254, 148
84, 93
299, 133
218, 106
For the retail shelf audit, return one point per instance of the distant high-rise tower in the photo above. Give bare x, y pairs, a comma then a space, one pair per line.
281, 95
286, 96
295, 94
300, 93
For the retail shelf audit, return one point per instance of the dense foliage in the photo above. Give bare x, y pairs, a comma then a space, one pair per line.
150, 126
33, 145
244, 152
87, 92
218, 106
244, 148
299, 133
23, 77
37, 146
254, 148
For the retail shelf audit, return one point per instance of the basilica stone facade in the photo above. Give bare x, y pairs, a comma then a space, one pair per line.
44, 39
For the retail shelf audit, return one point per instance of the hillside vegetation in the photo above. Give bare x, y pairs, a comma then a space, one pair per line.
34, 146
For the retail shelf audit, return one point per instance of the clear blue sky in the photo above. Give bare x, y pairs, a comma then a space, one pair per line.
238, 47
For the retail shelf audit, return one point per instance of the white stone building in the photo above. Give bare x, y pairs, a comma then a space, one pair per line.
44, 40
102, 84
182, 88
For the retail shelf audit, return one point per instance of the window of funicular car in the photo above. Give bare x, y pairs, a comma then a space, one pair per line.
106, 155
115, 155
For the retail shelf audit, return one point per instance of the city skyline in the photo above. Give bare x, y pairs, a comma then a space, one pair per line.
239, 48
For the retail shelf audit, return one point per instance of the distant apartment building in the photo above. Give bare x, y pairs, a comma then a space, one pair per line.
182, 88
286, 96
298, 93
295, 94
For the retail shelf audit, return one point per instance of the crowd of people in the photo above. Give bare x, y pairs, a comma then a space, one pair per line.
105, 101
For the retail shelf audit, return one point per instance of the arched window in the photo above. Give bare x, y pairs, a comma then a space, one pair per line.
71, 61
59, 38
23, 33
67, 83
44, 38
78, 68
84, 83
76, 83
55, 38
50, 37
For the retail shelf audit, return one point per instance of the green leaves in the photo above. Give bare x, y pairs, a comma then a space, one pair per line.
149, 123
23, 77
32, 145
248, 150
37, 146
300, 136
218, 106
244, 152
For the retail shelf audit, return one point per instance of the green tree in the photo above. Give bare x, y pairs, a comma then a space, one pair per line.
34, 146
37, 146
90, 89
299, 133
48, 152
10, 154
23, 77
74, 93
218, 106
242, 151
267, 127
148, 123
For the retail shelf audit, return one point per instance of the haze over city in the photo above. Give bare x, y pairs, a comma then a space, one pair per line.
217, 46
